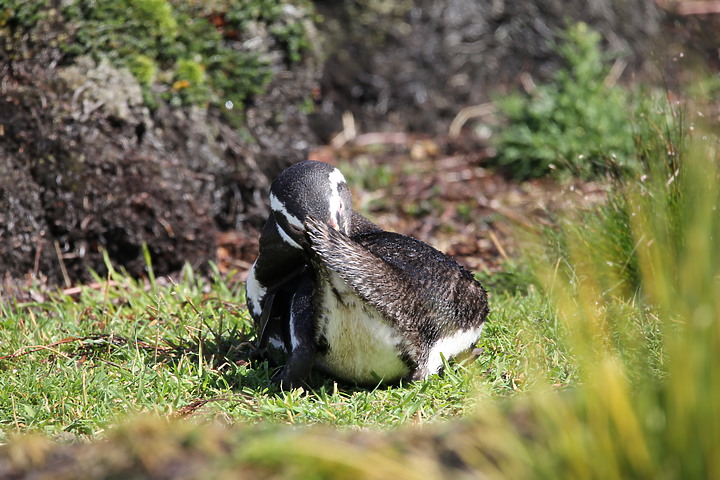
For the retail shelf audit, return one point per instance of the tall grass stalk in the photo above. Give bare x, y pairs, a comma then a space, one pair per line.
620, 423
683, 280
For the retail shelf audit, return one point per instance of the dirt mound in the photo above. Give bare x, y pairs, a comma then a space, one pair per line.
86, 167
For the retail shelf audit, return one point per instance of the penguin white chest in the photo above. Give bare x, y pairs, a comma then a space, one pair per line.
363, 347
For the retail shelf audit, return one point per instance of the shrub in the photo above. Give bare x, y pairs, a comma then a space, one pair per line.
576, 123
17, 18
21, 14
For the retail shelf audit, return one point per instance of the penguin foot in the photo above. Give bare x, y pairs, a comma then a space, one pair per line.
258, 354
286, 381
296, 370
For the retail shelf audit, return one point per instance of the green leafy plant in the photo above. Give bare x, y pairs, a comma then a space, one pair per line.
191, 81
17, 19
143, 68
20, 14
576, 123
186, 52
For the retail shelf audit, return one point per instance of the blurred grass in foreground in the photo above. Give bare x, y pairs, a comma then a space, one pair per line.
621, 422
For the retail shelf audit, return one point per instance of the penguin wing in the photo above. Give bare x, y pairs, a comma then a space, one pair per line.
375, 281
406, 279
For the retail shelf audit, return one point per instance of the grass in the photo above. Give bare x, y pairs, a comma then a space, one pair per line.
77, 364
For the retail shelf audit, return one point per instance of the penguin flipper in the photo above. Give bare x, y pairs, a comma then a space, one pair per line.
302, 338
264, 336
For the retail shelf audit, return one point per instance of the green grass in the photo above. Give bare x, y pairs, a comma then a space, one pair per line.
79, 364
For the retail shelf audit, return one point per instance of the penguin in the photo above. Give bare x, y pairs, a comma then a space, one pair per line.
333, 291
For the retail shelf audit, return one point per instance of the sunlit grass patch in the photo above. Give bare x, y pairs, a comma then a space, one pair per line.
76, 364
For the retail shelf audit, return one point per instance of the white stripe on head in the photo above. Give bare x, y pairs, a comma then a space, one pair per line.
287, 237
335, 203
279, 208
336, 178
255, 292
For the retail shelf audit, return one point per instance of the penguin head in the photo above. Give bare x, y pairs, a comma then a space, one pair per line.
309, 188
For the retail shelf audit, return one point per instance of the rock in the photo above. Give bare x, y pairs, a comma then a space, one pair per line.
101, 85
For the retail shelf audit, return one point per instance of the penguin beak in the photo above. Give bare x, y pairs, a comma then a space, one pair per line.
336, 221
